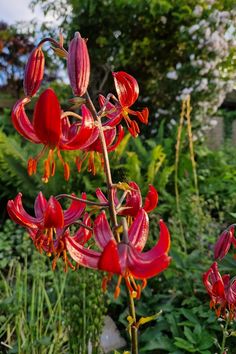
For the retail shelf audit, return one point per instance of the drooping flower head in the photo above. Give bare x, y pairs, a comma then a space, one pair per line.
50, 128
49, 227
222, 292
125, 258
127, 91
133, 200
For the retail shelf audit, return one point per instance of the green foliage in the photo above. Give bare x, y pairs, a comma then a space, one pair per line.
15, 244
186, 324
85, 309
42, 311
31, 312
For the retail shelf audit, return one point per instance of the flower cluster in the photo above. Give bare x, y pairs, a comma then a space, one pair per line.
55, 129
73, 234
221, 290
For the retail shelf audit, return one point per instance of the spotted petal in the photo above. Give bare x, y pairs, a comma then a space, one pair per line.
102, 231
22, 123
86, 134
75, 210
142, 268
83, 256
138, 232
126, 87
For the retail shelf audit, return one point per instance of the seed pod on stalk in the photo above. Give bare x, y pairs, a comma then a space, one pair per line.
34, 71
78, 65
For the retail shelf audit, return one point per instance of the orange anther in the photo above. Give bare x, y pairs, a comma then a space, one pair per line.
66, 171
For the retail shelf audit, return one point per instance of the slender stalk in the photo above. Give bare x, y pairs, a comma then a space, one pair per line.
134, 329
191, 149
225, 335
113, 215
107, 169
177, 154
89, 202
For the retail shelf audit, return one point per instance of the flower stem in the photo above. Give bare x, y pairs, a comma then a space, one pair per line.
107, 169
86, 201
113, 215
134, 329
225, 335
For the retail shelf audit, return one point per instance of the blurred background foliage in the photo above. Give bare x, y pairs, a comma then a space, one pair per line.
174, 49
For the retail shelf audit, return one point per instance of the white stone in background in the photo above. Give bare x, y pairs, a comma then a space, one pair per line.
110, 337
234, 133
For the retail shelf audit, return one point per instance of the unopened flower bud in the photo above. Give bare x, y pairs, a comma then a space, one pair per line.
78, 65
34, 72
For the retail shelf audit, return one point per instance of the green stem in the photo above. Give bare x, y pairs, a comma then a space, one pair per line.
113, 215
134, 329
107, 169
225, 335
177, 155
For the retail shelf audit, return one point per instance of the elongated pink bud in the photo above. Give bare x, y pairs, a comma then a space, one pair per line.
34, 71
78, 65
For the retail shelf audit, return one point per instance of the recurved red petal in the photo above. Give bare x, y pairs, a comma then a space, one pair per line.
47, 118
206, 281
109, 260
120, 136
113, 112
40, 205
162, 246
138, 232
109, 135
22, 123
126, 87
86, 135
100, 195
83, 256
82, 235
75, 211
18, 214
102, 231
53, 216
151, 199
133, 201
141, 268
143, 115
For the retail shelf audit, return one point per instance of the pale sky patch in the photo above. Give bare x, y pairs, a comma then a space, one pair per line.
18, 10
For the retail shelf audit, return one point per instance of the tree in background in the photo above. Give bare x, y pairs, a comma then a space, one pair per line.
14, 48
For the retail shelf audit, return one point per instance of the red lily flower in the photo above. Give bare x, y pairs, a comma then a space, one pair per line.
110, 133
54, 131
133, 200
125, 258
224, 242
127, 90
48, 228
222, 292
